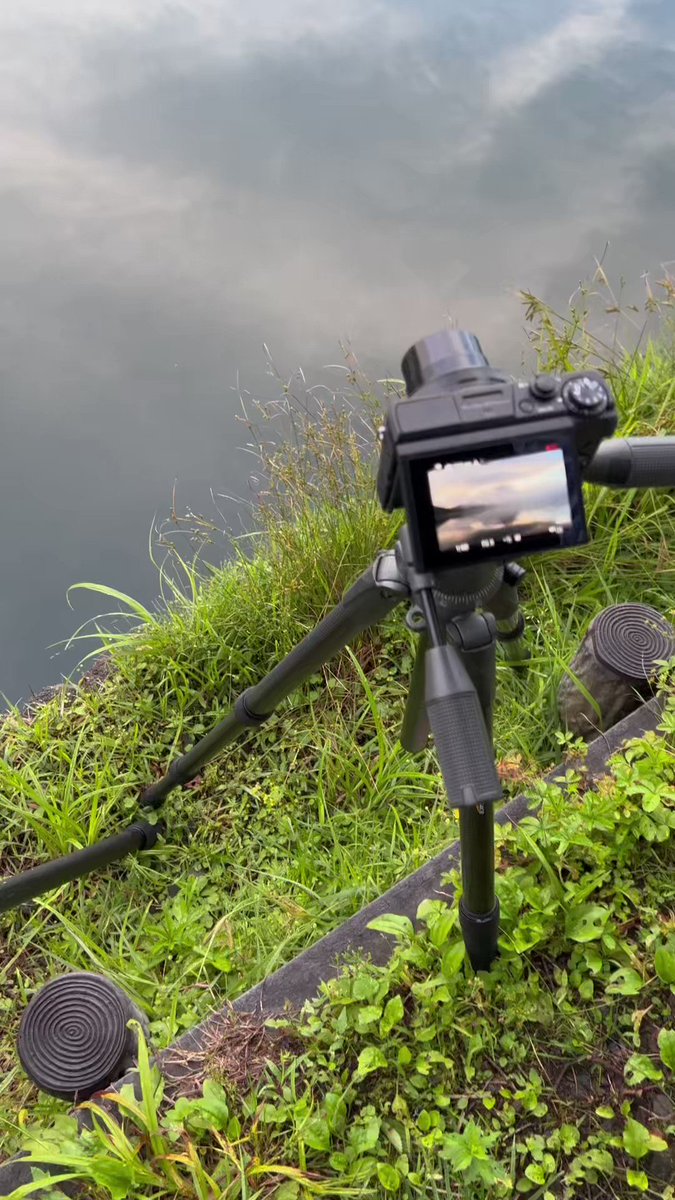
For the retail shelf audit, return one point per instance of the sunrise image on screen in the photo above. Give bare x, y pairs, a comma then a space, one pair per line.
503, 501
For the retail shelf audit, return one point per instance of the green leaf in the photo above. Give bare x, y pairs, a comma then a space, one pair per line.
429, 911
664, 963
368, 1014
586, 989
667, 1047
453, 959
336, 1111
440, 929
638, 1141
637, 1179
365, 987
370, 1059
388, 1177
364, 1136
102, 590
39, 1183
215, 1102
640, 1067
392, 1015
316, 1134
221, 962
625, 982
114, 1176
593, 959
393, 924
605, 1112
536, 1173
586, 922
395, 1138
288, 1191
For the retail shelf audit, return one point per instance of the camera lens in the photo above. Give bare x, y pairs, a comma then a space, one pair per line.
439, 355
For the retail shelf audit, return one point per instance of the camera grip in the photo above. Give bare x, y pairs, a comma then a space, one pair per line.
647, 462
462, 743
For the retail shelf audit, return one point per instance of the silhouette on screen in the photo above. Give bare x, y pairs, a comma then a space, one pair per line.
488, 502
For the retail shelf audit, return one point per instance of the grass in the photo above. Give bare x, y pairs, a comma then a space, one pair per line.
551, 1076
295, 828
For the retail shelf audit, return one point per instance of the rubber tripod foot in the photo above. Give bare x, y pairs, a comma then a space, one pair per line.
481, 934
73, 1038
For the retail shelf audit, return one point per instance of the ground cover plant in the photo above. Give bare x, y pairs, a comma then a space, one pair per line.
551, 1076
291, 832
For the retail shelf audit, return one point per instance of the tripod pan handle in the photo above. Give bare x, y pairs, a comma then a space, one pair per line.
640, 462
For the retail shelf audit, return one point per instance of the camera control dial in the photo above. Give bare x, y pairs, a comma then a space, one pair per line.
585, 395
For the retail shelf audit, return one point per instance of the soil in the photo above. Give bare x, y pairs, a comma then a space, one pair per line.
235, 1052
101, 670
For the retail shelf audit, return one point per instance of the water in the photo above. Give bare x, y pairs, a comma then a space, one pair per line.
182, 182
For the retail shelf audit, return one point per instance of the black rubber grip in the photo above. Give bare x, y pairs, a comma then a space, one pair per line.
647, 462
457, 722
464, 752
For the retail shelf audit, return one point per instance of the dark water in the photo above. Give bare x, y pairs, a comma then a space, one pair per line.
182, 182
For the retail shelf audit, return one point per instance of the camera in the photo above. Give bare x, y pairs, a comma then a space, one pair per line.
488, 467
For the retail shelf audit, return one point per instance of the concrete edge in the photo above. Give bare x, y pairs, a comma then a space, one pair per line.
300, 980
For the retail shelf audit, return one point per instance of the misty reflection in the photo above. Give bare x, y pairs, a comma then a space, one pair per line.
516, 498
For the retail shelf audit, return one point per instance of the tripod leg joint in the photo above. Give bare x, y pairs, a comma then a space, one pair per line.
244, 715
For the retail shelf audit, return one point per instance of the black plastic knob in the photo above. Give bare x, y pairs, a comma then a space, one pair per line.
585, 395
544, 387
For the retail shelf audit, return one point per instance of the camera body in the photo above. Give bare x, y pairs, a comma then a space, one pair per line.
487, 467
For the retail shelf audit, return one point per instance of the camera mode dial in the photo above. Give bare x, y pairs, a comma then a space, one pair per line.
585, 395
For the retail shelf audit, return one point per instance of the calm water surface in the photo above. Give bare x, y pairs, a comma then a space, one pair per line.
183, 182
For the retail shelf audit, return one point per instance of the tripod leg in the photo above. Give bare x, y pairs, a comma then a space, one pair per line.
415, 728
505, 608
479, 908
371, 598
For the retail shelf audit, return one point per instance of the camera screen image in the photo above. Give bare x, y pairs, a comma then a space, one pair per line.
482, 504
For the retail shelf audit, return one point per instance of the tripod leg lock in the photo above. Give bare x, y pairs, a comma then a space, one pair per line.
243, 713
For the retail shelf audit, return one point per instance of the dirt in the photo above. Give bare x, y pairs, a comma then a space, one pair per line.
235, 1052
101, 670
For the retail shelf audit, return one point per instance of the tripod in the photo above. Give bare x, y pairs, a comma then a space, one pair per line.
451, 694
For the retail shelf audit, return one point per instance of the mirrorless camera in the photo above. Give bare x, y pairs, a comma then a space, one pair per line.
487, 467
